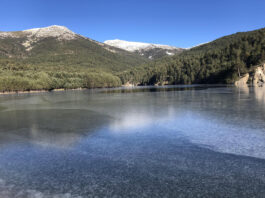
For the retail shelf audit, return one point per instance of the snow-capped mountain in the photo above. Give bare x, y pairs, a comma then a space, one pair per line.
56, 31
61, 32
32, 36
148, 50
136, 46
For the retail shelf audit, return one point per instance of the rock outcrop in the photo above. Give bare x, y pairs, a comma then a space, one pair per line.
129, 84
259, 76
242, 81
163, 83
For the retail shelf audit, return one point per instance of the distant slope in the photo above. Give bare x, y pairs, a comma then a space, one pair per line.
65, 59
219, 61
148, 50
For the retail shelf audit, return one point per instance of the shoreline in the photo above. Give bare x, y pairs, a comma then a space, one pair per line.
37, 91
60, 90
55, 90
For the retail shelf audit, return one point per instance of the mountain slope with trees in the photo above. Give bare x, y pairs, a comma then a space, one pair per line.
221, 61
54, 57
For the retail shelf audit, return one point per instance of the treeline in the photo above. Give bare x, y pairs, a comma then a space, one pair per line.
221, 61
49, 80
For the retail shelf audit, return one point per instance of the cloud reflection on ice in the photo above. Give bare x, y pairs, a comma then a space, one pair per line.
135, 121
204, 129
50, 139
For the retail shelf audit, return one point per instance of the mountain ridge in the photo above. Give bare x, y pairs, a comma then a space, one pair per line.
62, 33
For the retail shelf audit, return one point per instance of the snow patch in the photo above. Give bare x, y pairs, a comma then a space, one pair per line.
169, 53
28, 44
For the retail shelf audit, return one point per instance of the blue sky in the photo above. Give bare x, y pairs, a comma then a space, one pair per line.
181, 23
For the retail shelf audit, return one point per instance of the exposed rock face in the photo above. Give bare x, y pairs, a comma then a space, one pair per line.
129, 84
242, 81
259, 76
162, 83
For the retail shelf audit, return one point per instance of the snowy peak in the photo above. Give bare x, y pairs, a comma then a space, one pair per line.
60, 32
149, 50
136, 46
32, 36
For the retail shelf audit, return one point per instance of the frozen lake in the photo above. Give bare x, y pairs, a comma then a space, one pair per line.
176, 141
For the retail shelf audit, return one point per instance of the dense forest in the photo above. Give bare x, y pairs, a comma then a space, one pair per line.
55, 78
221, 61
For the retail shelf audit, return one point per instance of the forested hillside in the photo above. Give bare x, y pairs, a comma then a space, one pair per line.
54, 57
221, 61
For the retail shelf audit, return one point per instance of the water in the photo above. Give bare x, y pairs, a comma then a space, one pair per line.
182, 141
